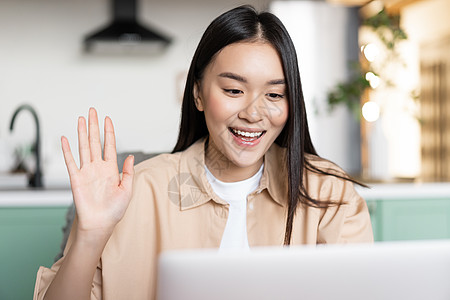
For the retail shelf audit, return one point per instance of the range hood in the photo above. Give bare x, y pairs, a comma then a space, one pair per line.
124, 29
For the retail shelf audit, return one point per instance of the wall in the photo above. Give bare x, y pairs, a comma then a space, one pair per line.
42, 63
326, 40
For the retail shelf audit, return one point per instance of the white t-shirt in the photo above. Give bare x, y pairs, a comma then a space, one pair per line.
235, 193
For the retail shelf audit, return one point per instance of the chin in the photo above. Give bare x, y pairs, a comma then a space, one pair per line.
244, 160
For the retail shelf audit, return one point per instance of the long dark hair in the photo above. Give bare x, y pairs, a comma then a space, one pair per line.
244, 23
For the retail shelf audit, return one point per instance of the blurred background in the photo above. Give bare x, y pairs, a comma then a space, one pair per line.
45, 62
375, 74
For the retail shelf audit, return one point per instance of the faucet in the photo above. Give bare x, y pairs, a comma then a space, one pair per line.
35, 180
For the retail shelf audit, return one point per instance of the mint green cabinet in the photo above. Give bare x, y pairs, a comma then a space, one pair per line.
372, 206
29, 237
410, 219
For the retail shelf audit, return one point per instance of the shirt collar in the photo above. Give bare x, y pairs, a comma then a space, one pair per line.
195, 190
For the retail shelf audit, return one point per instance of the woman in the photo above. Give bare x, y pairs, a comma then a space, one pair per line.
243, 173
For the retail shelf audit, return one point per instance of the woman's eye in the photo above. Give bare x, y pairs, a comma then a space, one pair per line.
275, 96
233, 92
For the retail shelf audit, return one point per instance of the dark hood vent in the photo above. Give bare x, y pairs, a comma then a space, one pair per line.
124, 28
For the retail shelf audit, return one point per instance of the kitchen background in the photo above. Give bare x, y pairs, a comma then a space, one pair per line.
43, 63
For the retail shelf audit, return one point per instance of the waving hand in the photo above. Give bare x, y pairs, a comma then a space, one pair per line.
101, 197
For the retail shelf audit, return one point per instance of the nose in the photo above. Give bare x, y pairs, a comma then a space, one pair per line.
252, 111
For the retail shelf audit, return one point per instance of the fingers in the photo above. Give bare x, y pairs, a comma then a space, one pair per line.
128, 173
89, 144
94, 136
110, 141
83, 142
68, 157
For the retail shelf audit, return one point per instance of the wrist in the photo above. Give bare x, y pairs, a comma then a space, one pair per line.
93, 238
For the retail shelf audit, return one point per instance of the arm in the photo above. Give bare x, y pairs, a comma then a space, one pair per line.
357, 227
101, 198
348, 222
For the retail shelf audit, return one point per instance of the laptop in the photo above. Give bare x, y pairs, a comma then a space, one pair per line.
386, 270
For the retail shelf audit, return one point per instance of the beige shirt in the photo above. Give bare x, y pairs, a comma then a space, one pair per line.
174, 207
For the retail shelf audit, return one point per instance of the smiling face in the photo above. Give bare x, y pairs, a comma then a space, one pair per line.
242, 94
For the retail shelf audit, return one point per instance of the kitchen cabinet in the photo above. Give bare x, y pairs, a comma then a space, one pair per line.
409, 212
410, 219
30, 236
31, 225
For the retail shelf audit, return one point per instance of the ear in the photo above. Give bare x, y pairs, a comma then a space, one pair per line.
197, 99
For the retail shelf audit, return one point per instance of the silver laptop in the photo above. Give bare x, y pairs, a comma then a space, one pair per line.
388, 270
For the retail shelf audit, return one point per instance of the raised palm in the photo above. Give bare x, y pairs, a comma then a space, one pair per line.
101, 197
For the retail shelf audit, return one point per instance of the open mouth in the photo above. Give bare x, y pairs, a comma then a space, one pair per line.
247, 136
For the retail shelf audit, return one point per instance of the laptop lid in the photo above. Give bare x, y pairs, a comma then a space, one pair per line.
394, 270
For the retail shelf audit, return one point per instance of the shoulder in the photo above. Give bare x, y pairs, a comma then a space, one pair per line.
150, 185
170, 162
323, 164
156, 171
326, 181
161, 161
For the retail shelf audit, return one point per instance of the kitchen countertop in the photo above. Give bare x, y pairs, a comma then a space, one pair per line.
14, 193
35, 197
408, 191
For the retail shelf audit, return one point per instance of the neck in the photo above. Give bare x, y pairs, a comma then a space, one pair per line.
225, 170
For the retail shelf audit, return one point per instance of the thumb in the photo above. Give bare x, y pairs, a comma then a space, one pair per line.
128, 173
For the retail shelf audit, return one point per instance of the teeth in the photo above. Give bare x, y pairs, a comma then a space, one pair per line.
248, 134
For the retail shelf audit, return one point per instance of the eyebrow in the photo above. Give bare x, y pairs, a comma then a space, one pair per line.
277, 81
233, 76
243, 80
